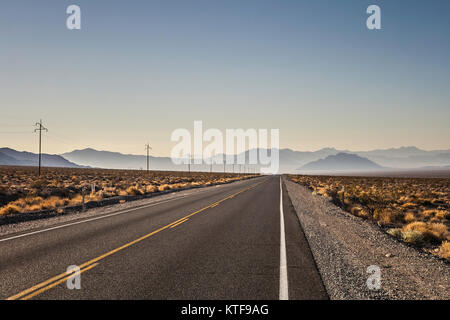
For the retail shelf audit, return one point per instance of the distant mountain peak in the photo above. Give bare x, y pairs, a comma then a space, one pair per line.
328, 149
341, 162
406, 148
12, 157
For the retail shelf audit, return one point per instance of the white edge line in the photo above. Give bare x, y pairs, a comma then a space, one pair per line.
91, 219
284, 292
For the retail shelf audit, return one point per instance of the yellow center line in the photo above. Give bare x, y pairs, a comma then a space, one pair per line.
173, 226
50, 283
54, 284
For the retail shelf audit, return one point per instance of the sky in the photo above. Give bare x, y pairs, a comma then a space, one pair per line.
137, 70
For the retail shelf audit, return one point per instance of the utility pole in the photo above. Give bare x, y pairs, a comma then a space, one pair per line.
211, 164
189, 163
147, 147
40, 128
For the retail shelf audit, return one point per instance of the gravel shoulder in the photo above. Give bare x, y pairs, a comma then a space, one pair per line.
344, 246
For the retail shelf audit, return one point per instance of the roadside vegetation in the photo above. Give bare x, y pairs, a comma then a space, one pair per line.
414, 210
22, 191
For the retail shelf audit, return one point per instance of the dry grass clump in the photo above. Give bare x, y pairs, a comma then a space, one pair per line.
396, 232
30, 204
360, 212
436, 215
413, 237
163, 187
134, 191
388, 216
10, 209
444, 250
433, 232
150, 189
416, 210
410, 217
420, 233
22, 191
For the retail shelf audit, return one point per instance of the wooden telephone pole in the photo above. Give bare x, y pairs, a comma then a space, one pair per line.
148, 148
224, 161
189, 163
40, 128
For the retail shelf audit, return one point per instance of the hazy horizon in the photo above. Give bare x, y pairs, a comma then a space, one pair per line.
143, 154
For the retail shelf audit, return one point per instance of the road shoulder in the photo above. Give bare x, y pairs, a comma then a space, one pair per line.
344, 246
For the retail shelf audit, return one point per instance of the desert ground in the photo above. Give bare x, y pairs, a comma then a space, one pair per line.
414, 210
23, 191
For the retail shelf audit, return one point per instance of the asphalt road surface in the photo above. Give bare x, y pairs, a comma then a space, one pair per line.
241, 241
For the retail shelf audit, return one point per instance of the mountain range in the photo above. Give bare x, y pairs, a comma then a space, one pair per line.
396, 158
12, 157
291, 161
115, 160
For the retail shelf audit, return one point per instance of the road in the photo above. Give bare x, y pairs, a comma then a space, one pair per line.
239, 241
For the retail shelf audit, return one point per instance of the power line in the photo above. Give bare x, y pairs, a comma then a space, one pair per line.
15, 132
15, 125
40, 129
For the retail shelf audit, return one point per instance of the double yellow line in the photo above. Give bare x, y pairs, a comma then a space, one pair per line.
52, 282
173, 226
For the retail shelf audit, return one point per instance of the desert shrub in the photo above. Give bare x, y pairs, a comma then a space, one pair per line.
409, 205
150, 189
410, 217
39, 184
441, 215
439, 231
10, 209
32, 200
428, 214
396, 232
413, 237
433, 232
51, 203
387, 216
358, 211
195, 184
163, 187
444, 250
134, 191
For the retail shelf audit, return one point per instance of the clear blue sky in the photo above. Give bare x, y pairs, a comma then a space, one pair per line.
137, 70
